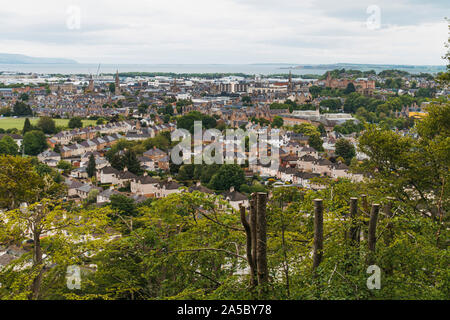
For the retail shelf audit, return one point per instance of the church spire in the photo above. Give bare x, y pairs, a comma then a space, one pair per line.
90, 87
290, 81
117, 83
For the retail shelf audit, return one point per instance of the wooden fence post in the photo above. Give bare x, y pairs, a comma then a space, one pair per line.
354, 229
389, 236
253, 219
248, 233
372, 231
261, 247
352, 236
318, 232
389, 233
365, 209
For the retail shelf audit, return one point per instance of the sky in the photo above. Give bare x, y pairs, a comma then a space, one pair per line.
227, 31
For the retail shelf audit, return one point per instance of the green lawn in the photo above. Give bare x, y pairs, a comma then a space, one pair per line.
10, 123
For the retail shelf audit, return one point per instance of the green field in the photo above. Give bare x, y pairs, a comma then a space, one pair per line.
10, 123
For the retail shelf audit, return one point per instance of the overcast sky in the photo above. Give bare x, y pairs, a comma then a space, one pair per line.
227, 31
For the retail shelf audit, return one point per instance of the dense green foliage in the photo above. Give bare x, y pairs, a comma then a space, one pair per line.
187, 121
34, 142
75, 122
21, 109
8, 146
346, 150
46, 124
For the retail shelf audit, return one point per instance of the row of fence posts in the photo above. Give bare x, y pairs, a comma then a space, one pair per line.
354, 233
255, 228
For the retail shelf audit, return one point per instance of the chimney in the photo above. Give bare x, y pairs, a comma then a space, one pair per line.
145, 173
125, 169
232, 189
169, 179
199, 184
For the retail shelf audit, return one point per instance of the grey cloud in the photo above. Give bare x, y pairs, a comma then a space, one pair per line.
412, 12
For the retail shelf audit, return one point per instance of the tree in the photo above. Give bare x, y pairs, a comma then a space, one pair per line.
166, 118
34, 142
132, 163
5, 111
47, 125
186, 172
277, 122
314, 135
425, 93
246, 100
142, 108
65, 166
8, 146
316, 142
307, 129
345, 149
112, 87
123, 205
413, 170
187, 121
315, 91
116, 161
75, 122
354, 101
322, 130
331, 104
350, 88
92, 196
229, 175
168, 110
349, 126
186, 262
24, 97
27, 126
68, 236
91, 167
21, 109
19, 180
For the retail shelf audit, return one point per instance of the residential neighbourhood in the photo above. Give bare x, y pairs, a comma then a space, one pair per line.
146, 107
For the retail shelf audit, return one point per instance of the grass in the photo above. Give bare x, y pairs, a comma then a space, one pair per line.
11, 123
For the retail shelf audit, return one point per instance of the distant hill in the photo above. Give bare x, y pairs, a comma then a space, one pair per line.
376, 67
6, 58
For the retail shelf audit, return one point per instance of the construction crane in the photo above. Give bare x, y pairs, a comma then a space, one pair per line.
98, 70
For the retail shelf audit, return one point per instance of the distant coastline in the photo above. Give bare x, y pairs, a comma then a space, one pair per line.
7, 58
249, 69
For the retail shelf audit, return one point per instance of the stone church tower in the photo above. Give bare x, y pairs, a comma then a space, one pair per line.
90, 88
117, 83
